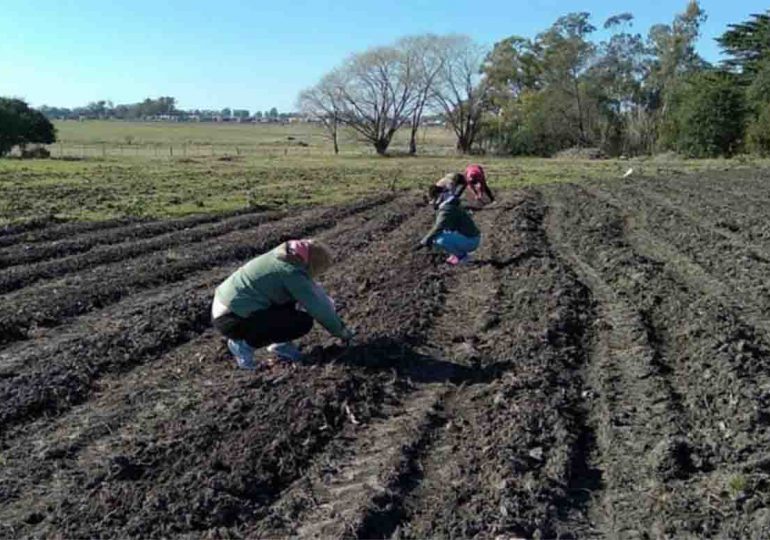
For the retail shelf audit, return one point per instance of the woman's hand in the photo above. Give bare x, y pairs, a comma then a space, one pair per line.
348, 336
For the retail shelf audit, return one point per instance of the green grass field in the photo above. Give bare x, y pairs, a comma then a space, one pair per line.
217, 167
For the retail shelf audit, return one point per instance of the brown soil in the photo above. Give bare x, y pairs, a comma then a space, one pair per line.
602, 369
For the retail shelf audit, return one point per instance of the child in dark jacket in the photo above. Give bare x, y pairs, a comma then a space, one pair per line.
454, 230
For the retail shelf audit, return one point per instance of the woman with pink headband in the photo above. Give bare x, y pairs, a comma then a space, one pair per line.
257, 305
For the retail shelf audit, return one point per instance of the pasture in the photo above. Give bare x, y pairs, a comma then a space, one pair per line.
96, 174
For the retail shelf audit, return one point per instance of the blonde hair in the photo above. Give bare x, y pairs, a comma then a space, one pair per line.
320, 257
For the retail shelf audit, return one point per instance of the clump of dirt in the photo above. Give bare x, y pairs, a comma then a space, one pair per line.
670, 459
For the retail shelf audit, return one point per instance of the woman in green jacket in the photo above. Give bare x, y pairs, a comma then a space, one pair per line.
257, 305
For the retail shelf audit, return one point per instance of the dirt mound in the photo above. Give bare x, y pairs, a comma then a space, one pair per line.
601, 369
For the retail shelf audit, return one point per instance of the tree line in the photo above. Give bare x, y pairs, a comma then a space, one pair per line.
628, 94
162, 107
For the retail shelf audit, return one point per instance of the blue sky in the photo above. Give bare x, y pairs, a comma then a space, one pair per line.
254, 54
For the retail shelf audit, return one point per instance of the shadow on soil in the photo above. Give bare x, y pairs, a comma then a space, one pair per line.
407, 362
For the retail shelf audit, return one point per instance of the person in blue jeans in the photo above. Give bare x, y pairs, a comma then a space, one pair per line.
454, 230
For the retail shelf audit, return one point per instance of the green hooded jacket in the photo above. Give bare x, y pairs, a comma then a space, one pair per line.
276, 278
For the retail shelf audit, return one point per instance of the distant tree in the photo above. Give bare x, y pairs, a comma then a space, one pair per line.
615, 80
323, 103
424, 57
459, 90
55, 112
241, 113
258, 115
747, 44
97, 109
566, 57
273, 113
673, 53
21, 125
226, 112
376, 91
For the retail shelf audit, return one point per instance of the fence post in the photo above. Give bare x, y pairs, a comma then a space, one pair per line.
171, 150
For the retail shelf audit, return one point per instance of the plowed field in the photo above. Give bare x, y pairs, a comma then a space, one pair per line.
601, 369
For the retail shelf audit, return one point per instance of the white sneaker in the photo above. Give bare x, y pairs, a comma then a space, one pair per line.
285, 351
243, 352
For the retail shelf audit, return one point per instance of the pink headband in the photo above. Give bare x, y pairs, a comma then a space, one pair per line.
301, 248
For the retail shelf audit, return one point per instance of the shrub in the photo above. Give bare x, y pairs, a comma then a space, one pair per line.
705, 116
758, 132
21, 125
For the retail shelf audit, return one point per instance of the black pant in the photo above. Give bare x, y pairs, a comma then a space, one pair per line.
273, 325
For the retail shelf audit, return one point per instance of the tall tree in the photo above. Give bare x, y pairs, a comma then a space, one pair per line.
566, 56
377, 94
424, 56
323, 103
512, 67
747, 44
673, 51
460, 90
616, 79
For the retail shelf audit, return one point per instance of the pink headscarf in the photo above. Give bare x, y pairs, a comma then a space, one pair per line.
301, 249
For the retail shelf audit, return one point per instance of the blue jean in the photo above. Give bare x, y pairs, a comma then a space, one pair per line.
455, 243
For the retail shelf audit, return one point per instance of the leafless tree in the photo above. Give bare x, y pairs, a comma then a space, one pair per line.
322, 103
424, 54
377, 94
459, 89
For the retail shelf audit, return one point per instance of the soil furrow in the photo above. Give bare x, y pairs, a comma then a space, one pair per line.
626, 395
355, 486
20, 276
45, 230
27, 253
120, 396
244, 506
718, 258
133, 335
49, 304
715, 370
510, 451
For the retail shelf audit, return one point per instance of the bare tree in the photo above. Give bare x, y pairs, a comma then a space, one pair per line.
459, 89
322, 103
424, 54
377, 94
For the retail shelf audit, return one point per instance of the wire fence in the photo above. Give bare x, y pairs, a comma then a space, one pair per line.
159, 150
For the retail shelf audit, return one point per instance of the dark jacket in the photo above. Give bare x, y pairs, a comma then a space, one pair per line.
450, 216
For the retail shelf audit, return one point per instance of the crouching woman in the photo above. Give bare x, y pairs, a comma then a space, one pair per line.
454, 230
273, 299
